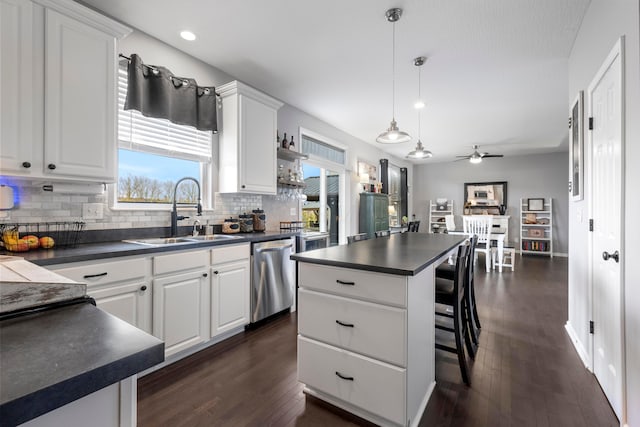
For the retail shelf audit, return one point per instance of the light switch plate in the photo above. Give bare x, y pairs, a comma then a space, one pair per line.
293, 212
92, 211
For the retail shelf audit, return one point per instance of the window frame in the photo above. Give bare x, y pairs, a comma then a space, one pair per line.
205, 176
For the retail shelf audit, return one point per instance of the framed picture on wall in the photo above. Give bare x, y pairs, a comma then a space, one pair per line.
576, 147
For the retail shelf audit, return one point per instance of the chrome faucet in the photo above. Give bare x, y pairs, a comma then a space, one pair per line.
174, 212
195, 232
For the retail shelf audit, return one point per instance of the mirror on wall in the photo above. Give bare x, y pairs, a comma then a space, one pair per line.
485, 198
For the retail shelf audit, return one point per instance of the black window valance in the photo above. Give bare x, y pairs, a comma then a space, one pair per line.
155, 92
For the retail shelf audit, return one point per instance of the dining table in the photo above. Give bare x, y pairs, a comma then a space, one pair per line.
497, 235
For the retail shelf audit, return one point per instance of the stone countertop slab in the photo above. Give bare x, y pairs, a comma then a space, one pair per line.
403, 254
51, 358
92, 251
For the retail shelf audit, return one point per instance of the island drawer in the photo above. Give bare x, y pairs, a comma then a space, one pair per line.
374, 386
103, 273
377, 287
371, 329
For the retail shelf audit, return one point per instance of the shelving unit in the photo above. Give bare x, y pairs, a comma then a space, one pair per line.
536, 228
294, 157
437, 214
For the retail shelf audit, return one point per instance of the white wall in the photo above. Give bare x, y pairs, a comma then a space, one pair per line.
604, 23
541, 175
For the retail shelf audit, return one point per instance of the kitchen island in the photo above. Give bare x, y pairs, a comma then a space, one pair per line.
366, 333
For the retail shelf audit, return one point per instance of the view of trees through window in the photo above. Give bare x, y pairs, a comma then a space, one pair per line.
150, 178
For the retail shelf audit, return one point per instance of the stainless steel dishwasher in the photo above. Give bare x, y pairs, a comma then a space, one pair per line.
272, 278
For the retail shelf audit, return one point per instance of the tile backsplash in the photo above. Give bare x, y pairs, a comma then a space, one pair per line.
35, 205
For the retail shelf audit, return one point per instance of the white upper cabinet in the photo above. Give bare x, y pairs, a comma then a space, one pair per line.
58, 90
248, 162
16, 87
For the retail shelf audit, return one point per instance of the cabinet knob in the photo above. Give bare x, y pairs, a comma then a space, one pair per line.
143, 288
204, 274
26, 165
215, 271
242, 186
51, 166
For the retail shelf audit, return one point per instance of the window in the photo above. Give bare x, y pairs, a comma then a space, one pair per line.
153, 154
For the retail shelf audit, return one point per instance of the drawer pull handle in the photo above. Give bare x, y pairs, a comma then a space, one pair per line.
343, 377
91, 276
342, 282
348, 325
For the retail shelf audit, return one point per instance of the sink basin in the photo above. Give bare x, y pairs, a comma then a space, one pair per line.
161, 241
212, 237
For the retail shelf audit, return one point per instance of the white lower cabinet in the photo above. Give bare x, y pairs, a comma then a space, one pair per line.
121, 288
230, 305
185, 298
181, 300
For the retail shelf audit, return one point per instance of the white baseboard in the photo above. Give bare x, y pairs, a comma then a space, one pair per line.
577, 344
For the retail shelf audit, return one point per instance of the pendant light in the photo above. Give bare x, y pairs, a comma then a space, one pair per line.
419, 152
393, 135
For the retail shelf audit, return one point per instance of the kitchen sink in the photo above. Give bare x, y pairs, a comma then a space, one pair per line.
161, 241
212, 237
164, 241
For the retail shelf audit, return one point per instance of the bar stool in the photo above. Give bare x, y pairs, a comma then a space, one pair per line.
446, 271
414, 226
452, 293
508, 257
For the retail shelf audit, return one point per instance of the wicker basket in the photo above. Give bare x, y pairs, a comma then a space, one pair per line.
65, 234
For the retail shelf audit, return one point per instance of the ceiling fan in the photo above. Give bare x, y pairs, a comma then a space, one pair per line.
476, 156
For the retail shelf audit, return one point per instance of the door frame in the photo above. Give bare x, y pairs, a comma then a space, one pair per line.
343, 195
617, 50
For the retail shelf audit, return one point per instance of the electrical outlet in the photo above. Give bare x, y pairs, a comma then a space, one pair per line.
293, 212
92, 211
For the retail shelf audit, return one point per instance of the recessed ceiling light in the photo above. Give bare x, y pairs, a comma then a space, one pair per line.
187, 35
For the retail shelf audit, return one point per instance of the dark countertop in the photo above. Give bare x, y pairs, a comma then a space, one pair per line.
92, 251
404, 254
54, 357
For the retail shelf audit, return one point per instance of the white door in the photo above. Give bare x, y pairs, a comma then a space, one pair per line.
605, 107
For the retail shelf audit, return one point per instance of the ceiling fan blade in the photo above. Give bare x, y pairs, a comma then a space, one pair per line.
464, 157
492, 155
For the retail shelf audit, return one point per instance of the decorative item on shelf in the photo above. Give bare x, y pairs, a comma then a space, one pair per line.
278, 144
535, 232
441, 204
535, 204
292, 146
285, 143
530, 218
543, 221
393, 135
502, 209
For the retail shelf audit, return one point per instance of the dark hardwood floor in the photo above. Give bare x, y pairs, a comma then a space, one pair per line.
526, 372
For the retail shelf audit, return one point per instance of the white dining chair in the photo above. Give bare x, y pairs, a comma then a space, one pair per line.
450, 222
481, 226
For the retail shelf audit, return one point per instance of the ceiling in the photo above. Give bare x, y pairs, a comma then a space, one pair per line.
496, 73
